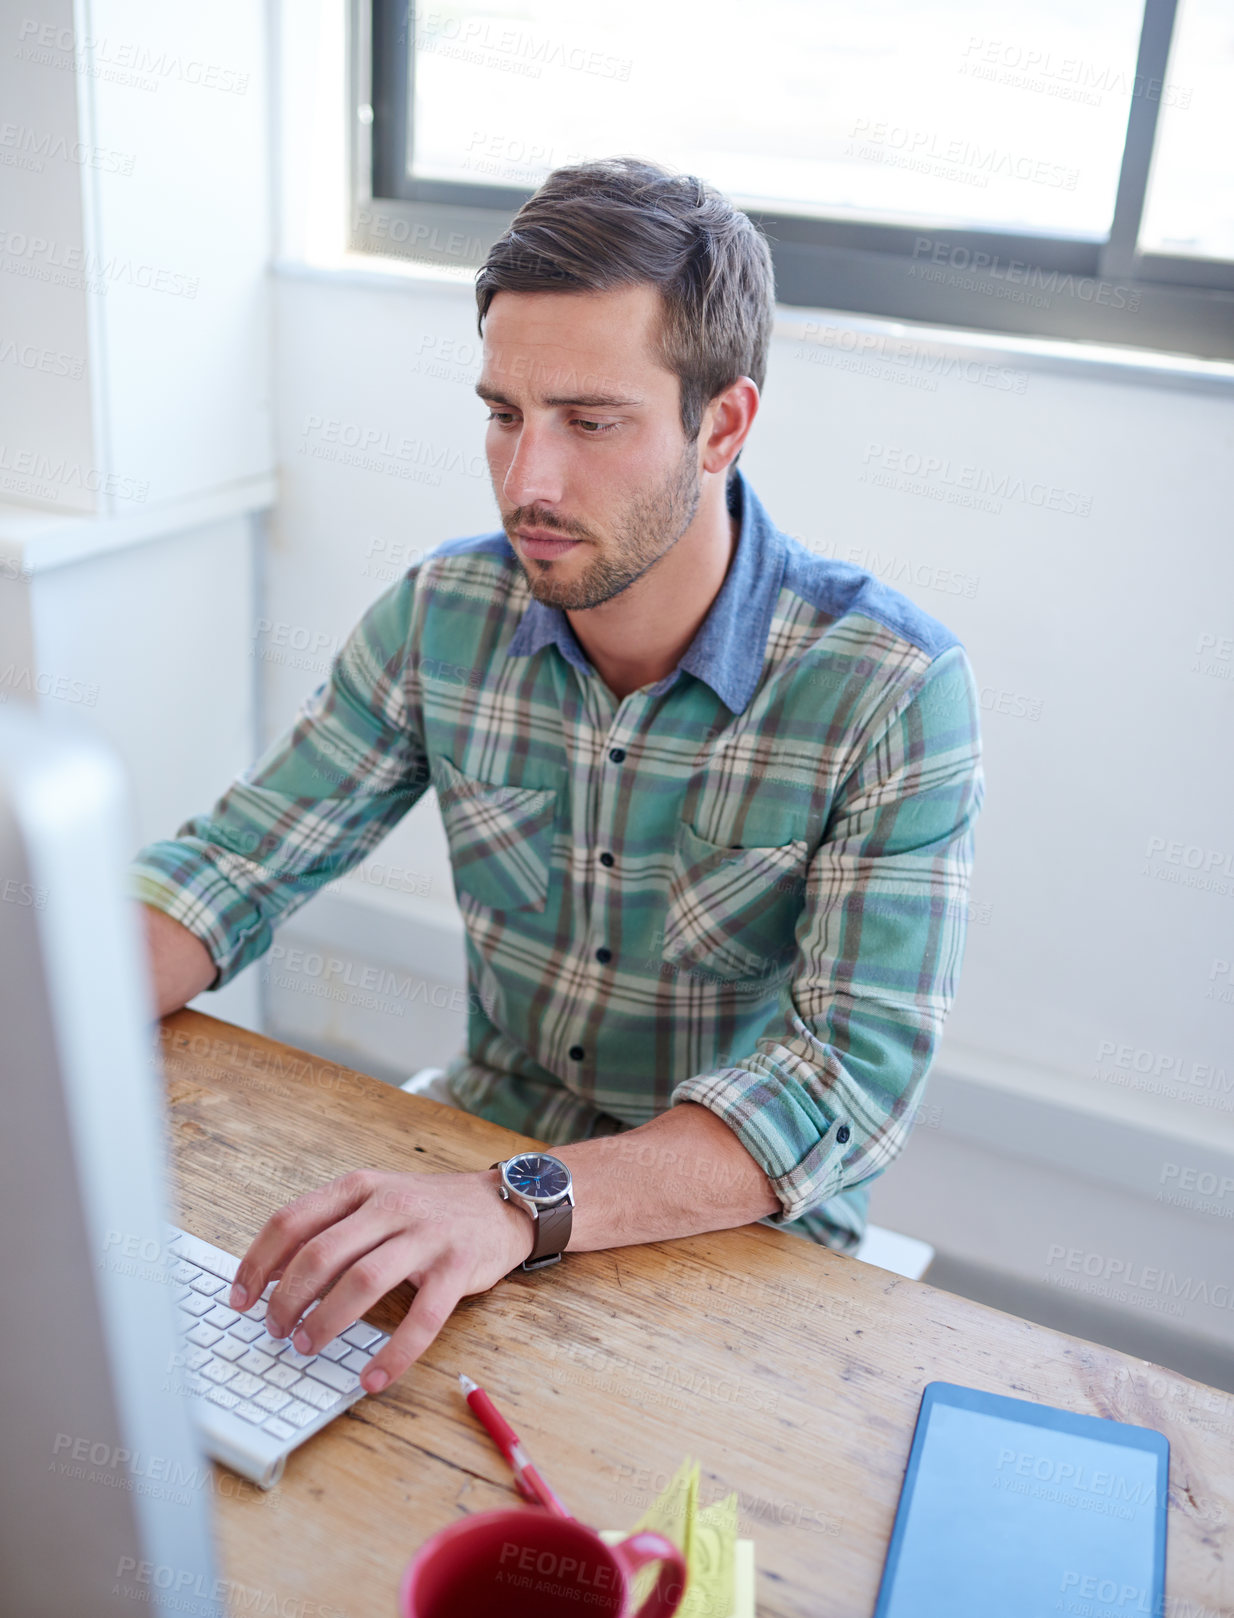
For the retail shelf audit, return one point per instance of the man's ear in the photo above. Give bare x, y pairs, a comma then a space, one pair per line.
726, 423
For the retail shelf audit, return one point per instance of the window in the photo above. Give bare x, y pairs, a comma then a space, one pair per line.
1190, 205
1042, 168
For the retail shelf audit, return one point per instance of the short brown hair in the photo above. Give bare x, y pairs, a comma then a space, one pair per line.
625, 222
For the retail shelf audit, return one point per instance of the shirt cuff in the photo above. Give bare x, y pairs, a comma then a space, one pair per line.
181, 880
776, 1118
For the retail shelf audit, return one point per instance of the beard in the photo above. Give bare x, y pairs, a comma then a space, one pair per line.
646, 530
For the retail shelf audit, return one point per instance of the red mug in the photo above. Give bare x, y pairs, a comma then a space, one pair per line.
530, 1563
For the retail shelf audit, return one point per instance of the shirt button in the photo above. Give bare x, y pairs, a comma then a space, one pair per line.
606, 859
576, 1053
843, 1133
604, 956
616, 754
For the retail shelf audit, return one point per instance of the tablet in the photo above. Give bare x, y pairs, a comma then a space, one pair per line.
1024, 1511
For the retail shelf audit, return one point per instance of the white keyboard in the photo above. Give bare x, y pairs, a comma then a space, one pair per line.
254, 1397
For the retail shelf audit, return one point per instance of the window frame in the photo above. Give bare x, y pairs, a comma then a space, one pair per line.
1019, 284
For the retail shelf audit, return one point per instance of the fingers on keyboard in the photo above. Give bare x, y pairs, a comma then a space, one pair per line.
231, 1359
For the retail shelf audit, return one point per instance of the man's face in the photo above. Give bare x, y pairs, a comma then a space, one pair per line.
593, 475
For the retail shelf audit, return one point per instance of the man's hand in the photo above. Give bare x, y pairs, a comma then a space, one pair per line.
450, 1235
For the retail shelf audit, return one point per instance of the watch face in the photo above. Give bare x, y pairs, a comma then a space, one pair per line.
538, 1176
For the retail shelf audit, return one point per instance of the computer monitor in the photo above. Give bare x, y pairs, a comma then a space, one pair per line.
105, 1504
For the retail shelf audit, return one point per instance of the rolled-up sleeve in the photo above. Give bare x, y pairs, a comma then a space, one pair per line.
348, 769
827, 1097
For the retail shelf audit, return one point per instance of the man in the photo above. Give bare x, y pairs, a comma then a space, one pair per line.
710, 798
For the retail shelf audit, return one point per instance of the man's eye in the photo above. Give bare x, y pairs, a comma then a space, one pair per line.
593, 429
503, 417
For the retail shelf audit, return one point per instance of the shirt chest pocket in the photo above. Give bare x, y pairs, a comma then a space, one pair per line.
501, 838
732, 912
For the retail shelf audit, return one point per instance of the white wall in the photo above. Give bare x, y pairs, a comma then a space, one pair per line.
1087, 629
1084, 632
135, 443
183, 350
127, 613
45, 402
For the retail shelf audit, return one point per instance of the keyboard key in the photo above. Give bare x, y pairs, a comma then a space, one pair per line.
253, 1413
333, 1376
224, 1397
204, 1336
219, 1371
195, 1304
195, 1358
362, 1335
279, 1429
185, 1272
253, 1360
205, 1256
273, 1346
337, 1349
298, 1413
245, 1330
282, 1376
293, 1356
208, 1285
246, 1385
228, 1348
315, 1393
356, 1361
258, 1311
273, 1399
221, 1316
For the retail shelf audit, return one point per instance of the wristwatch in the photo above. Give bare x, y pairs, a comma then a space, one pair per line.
543, 1187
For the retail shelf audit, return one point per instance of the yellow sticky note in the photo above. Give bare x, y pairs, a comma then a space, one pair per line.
743, 1572
720, 1566
710, 1559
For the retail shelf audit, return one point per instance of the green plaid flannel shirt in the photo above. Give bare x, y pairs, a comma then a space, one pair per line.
745, 885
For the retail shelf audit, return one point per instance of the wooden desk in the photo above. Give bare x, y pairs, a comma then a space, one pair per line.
792, 1373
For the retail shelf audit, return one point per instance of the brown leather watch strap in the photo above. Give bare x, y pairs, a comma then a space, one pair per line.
552, 1233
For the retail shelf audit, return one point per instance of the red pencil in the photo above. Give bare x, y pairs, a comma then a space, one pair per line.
527, 1479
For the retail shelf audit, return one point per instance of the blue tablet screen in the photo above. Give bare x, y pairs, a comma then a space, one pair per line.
1022, 1520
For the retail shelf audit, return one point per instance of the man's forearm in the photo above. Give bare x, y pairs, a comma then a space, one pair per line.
180, 964
452, 1235
683, 1173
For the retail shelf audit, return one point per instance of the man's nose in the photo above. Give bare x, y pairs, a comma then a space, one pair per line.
535, 475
